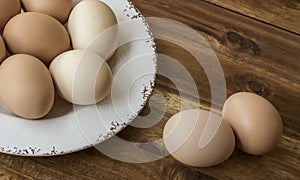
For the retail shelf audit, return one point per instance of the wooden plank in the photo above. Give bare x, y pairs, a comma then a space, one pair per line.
240, 39
284, 14
30, 169
255, 57
7, 174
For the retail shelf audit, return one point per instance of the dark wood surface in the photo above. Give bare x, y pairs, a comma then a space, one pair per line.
259, 49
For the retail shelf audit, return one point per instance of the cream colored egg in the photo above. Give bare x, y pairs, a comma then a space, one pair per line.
92, 22
81, 77
182, 135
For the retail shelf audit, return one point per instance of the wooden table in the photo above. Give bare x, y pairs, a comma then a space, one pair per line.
258, 45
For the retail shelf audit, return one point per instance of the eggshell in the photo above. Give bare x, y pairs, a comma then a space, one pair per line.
81, 77
182, 135
255, 121
2, 50
26, 86
59, 9
8, 9
92, 21
36, 34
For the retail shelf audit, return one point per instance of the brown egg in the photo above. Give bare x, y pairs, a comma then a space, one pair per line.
36, 34
183, 132
59, 9
26, 86
2, 50
8, 9
255, 121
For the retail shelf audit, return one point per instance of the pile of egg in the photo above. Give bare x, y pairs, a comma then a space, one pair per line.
43, 50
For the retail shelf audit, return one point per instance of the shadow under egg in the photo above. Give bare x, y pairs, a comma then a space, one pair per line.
4, 110
60, 108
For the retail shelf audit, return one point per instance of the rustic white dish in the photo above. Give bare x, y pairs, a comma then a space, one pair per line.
71, 128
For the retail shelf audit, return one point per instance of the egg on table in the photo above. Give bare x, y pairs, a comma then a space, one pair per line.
182, 135
36, 34
2, 50
256, 123
26, 86
8, 9
94, 22
81, 77
59, 9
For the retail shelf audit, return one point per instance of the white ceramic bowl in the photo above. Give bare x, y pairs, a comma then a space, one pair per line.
71, 128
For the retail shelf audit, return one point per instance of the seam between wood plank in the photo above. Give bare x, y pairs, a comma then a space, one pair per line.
256, 19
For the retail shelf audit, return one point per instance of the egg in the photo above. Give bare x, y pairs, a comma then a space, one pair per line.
255, 121
8, 9
94, 22
81, 77
2, 50
59, 9
182, 135
36, 34
26, 86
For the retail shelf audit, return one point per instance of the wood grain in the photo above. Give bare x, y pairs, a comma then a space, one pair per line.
255, 57
283, 14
